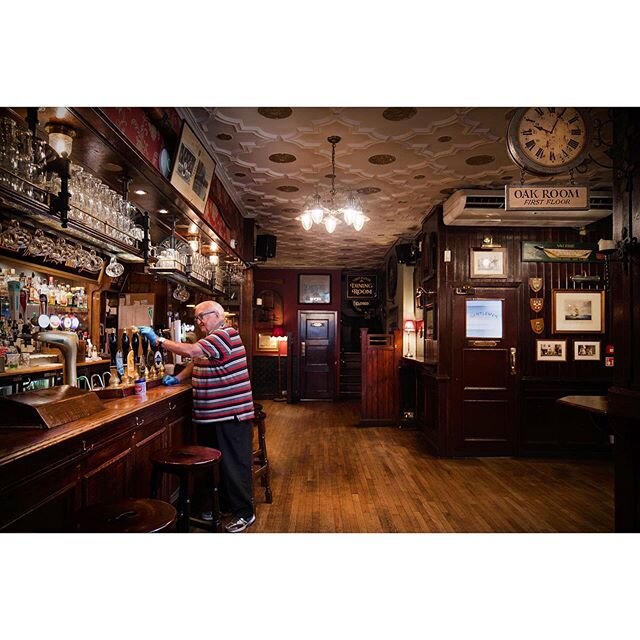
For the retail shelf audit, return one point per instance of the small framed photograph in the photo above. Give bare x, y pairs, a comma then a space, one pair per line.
583, 350
192, 170
314, 289
488, 263
551, 350
577, 311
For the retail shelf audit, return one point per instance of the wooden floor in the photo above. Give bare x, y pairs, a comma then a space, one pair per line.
330, 475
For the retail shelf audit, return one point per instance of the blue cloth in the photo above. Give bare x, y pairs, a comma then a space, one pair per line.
149, 334
170, 380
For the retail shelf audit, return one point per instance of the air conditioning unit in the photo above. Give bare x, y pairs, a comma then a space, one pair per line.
486, 208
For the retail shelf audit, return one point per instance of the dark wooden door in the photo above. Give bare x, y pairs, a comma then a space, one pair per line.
484, 408
317, 354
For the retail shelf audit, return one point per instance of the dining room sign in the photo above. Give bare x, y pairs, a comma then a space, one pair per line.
362, 287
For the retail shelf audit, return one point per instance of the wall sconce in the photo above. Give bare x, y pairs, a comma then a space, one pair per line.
487, 243
61, 139
619, 251
409, 327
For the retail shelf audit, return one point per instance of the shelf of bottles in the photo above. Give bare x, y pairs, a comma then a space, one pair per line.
33, 302
97, 214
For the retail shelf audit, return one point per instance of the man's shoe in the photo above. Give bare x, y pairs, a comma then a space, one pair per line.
239, 524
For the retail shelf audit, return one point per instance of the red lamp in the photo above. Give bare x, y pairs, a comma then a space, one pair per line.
279, 334
409, 327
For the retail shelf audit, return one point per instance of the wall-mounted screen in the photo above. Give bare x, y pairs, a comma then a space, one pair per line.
484, 319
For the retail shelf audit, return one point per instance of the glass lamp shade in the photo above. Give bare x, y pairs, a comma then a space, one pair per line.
306, 220
61, 142
351, 211
359, 220
330, 223
214, 259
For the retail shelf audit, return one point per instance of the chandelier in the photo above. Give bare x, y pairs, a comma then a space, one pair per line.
336, 207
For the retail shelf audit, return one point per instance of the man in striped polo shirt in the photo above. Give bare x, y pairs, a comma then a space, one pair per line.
222, 405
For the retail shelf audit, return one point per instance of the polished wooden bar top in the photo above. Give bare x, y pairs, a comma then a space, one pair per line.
593, 404
17, 443
42, 368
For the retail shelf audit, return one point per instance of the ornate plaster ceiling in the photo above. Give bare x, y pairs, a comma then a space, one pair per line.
401, 161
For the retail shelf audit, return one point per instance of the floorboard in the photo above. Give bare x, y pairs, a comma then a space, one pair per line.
329, 475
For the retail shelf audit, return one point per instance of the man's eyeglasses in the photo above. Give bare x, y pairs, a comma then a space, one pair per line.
200, 316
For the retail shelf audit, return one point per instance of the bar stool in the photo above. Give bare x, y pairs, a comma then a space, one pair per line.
184, 462
261, 465
131, 515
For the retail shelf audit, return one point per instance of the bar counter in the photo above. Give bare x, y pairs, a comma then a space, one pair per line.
46, 476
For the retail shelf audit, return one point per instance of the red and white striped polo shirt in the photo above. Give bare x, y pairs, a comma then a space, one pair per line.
221, 384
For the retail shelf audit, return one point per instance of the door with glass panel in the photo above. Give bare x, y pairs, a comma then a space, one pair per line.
484, 411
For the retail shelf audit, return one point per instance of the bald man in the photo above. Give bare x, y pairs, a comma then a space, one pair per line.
222, 405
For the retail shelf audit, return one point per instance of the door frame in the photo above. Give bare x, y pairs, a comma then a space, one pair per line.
335, 365
457, 393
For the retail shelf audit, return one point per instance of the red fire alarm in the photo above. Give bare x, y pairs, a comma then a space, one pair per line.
609, 350
608, 362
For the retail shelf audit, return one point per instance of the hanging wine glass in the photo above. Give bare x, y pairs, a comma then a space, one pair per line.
114, 268
180, 293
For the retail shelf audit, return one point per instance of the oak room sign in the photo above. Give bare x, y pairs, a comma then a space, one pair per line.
545, 198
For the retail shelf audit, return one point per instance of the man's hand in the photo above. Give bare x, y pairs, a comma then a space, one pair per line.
170, 380
149, 334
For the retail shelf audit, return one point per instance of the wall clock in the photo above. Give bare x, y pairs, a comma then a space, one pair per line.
392, 276
548, 140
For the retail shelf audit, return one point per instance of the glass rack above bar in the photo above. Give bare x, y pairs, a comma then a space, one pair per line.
17, 193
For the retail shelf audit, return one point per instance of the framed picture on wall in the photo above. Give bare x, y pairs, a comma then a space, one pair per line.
193, 169
551, 350
488, 263
586, 350
314, 289
266, 342
577, 311
430, 322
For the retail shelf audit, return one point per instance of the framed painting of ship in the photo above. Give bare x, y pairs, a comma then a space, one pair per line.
577, 311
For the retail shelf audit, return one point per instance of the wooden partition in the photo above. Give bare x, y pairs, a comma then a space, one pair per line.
380, 398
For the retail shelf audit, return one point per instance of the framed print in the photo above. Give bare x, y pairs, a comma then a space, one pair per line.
192, 170
584, 350
266, 342
314, 289
488, 263
430, 322
429, 255
551, 350
577, 311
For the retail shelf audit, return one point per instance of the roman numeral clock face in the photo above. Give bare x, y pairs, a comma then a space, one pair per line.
548, 140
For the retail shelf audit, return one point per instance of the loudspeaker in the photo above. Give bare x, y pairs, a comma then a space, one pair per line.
405, 254
265, 247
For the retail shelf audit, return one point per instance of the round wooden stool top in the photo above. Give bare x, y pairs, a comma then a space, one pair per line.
257, 406
186, 456
127, 516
